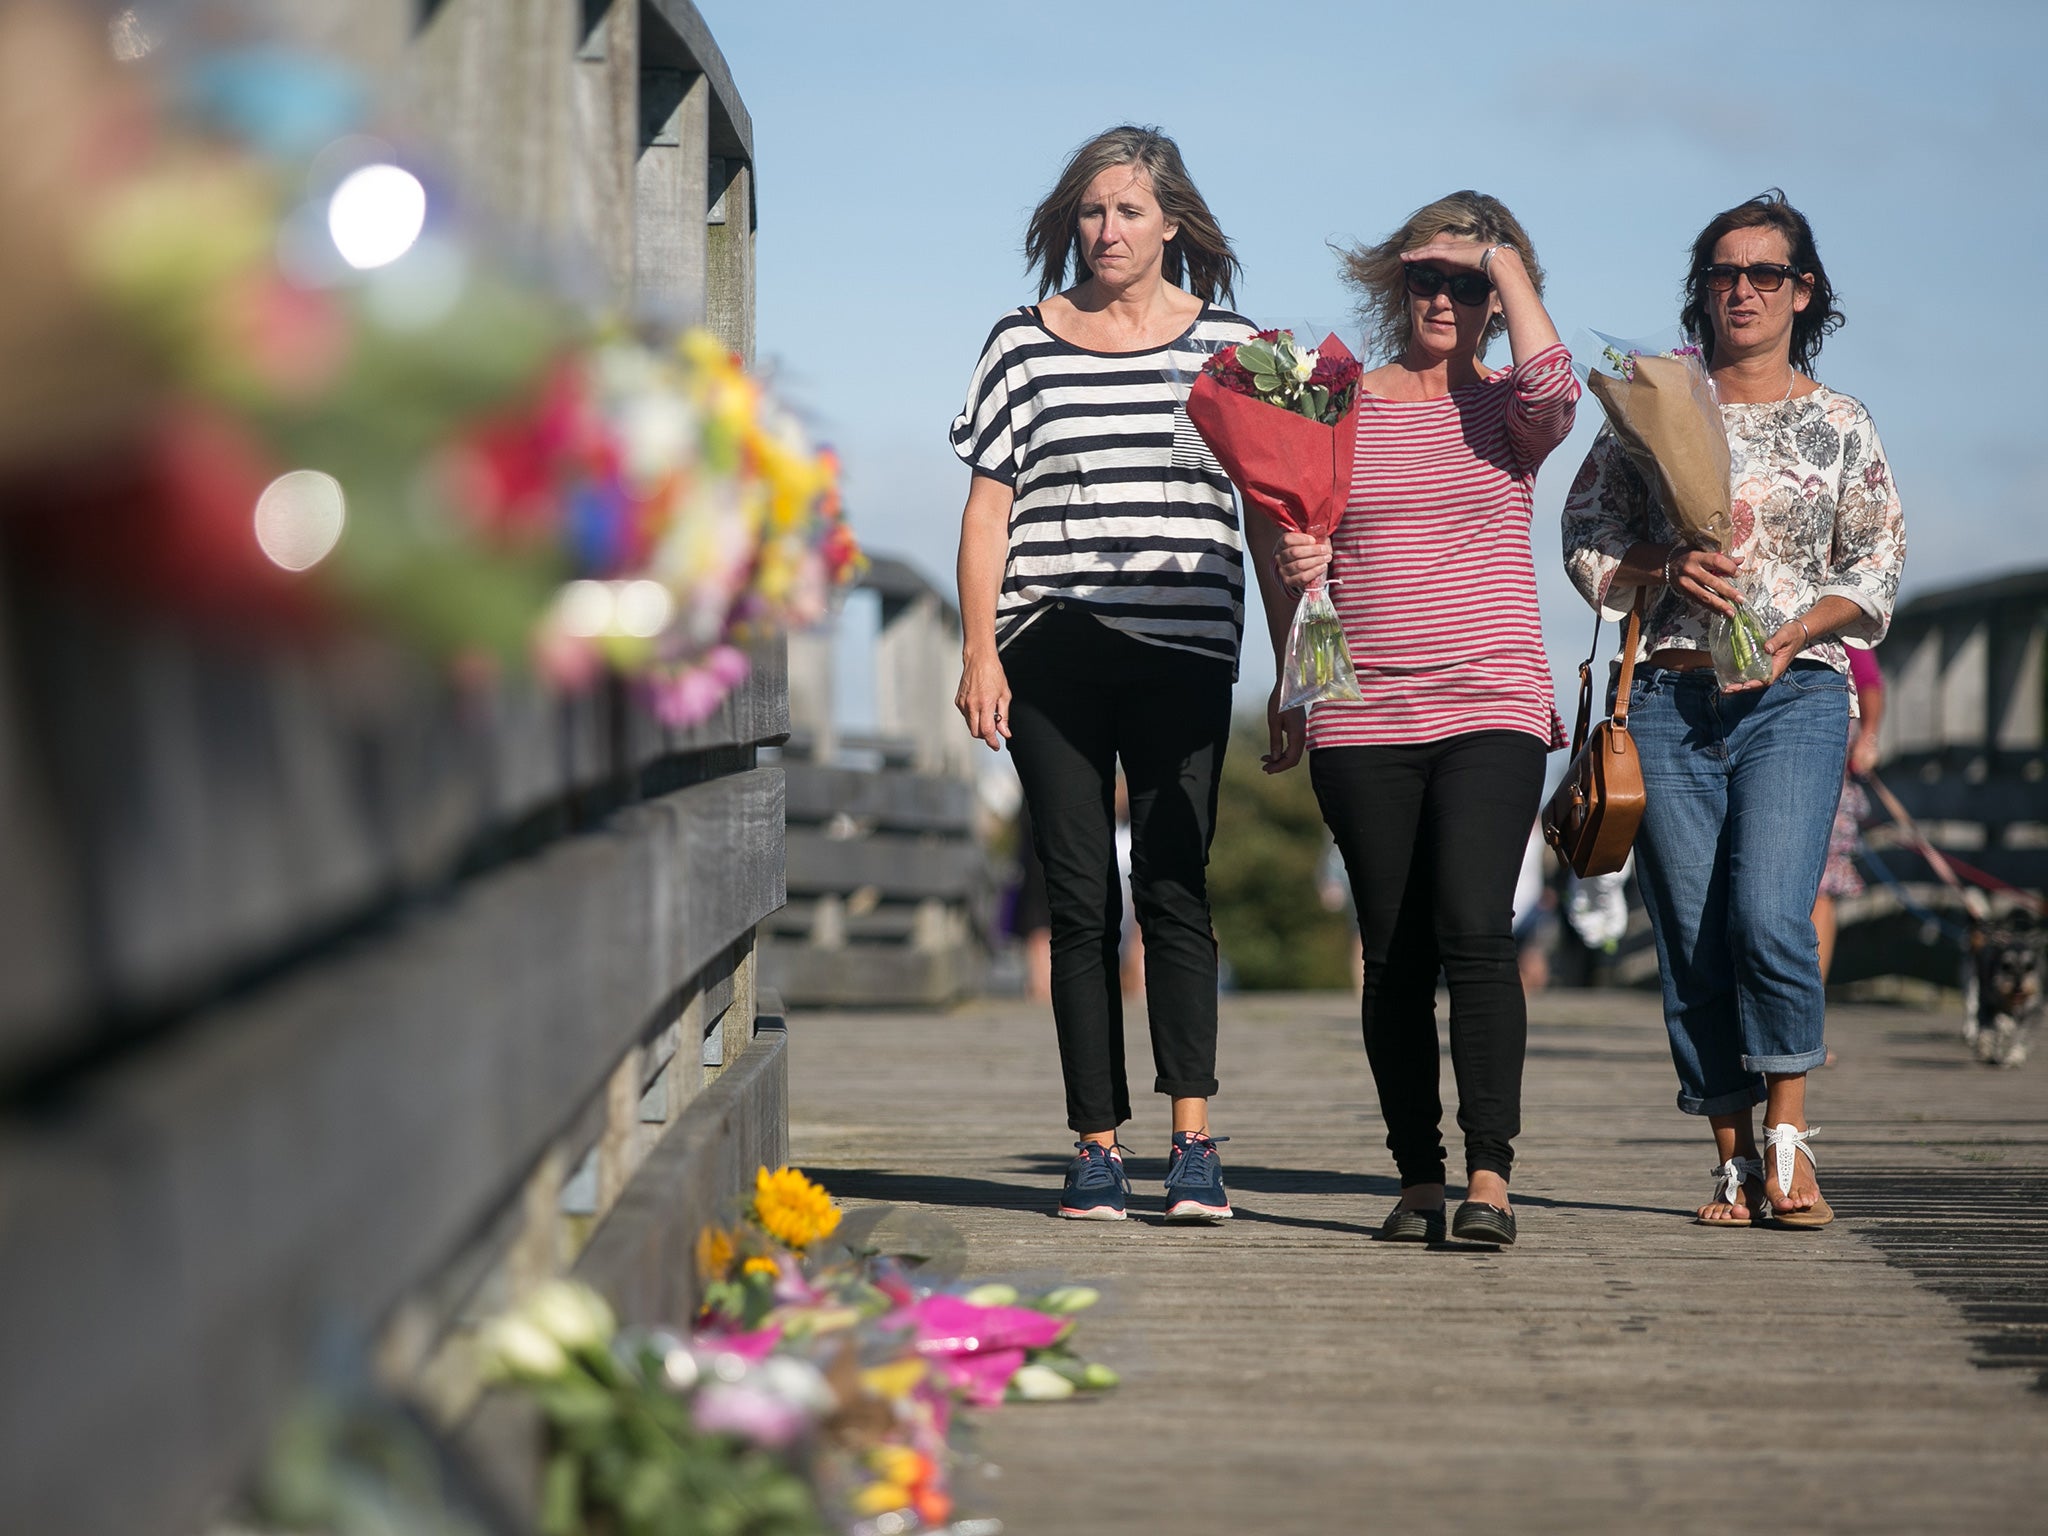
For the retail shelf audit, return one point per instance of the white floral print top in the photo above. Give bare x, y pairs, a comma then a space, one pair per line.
1815, 512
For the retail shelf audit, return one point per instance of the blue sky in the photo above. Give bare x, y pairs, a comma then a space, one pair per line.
900, 147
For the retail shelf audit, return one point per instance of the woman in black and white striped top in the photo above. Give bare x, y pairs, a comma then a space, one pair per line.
1102, 595
1117, 502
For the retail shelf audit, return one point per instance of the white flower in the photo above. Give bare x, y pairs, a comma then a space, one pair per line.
1071, 1298
996, 1295
573, 1315
795, 1380
514, 1348
1305, 365
1040, 1384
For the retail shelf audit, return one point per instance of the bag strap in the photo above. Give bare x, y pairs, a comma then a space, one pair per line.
1585, 718
1630, 637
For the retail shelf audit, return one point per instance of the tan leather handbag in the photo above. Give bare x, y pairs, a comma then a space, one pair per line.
1591, 821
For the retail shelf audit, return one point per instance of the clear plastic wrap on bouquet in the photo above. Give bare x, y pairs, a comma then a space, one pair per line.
1317, 667
1736, 642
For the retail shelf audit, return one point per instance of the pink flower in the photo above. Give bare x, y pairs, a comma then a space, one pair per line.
692, 694
749, 1411
752, 1347
976, 1349
981, 1378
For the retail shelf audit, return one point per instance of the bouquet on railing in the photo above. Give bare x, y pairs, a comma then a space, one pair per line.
1278, 418
264, 371
1661, 407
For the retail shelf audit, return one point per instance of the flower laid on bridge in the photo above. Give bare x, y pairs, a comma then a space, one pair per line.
795, 1212
817, 1391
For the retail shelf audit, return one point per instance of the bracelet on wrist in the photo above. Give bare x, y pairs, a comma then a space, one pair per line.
1486, 257
1669, 556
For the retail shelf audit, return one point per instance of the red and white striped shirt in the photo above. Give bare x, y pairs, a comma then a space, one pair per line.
1432, 571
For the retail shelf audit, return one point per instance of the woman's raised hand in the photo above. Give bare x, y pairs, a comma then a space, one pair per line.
1454, 251
983, 699
1301, 560
1706, 578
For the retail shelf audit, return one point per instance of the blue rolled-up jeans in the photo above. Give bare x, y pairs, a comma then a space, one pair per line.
1740, 792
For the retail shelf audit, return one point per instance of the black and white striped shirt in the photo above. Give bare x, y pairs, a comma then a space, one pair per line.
1119, 504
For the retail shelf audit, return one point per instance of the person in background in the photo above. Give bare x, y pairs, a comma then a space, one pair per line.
1430, 783
1741, 784
1840, 877
1032, 921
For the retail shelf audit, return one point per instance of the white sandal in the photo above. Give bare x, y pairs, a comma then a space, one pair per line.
1785, 1143
1733, 1175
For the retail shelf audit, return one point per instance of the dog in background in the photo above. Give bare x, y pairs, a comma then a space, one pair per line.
2003, 989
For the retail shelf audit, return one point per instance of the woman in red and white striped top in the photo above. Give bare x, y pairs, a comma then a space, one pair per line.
1431, 782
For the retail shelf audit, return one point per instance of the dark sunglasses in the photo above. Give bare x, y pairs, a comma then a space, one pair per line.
1765, 277
1467, 288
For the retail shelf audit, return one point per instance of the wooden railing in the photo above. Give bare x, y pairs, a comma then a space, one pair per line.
892, 896
341, 1001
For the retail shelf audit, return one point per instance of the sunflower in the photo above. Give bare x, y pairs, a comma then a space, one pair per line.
714, 1253
793, 1210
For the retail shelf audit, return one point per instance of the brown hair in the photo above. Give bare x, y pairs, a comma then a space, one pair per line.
1822, 316
1376, 271
1198, 257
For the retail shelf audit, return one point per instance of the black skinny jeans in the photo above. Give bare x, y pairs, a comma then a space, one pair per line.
1433, 835
1082, 696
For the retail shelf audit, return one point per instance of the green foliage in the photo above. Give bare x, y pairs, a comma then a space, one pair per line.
1262, 875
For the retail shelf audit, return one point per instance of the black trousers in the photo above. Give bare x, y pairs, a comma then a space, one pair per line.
1084, 696
1433, 836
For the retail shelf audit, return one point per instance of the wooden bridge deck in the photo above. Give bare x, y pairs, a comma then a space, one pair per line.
1620, 1370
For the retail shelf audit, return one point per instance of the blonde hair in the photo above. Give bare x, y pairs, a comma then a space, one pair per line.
1375, 272
1198, 258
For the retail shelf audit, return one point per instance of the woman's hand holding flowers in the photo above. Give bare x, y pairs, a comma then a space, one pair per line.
1706, 577
1302, 560
1787, 643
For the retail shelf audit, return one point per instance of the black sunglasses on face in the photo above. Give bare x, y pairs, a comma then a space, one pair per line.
1764, 277
1467, 288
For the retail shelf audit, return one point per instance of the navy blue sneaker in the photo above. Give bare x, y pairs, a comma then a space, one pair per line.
1097, 1187
1194, 1179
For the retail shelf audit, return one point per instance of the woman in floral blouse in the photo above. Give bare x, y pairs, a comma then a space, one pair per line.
1741, 784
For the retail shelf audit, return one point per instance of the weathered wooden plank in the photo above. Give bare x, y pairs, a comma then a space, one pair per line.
1591, 1359
180, 1241
890, 802
42, 954
669, 180
220, 807
643, 1254
895, 865
683, 36
867, 976
729, 255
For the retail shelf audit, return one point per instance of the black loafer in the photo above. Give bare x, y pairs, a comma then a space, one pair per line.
1478, 1222
1413, 1226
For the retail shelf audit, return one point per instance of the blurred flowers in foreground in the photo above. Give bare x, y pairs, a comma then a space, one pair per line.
816, 1392
258, 369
